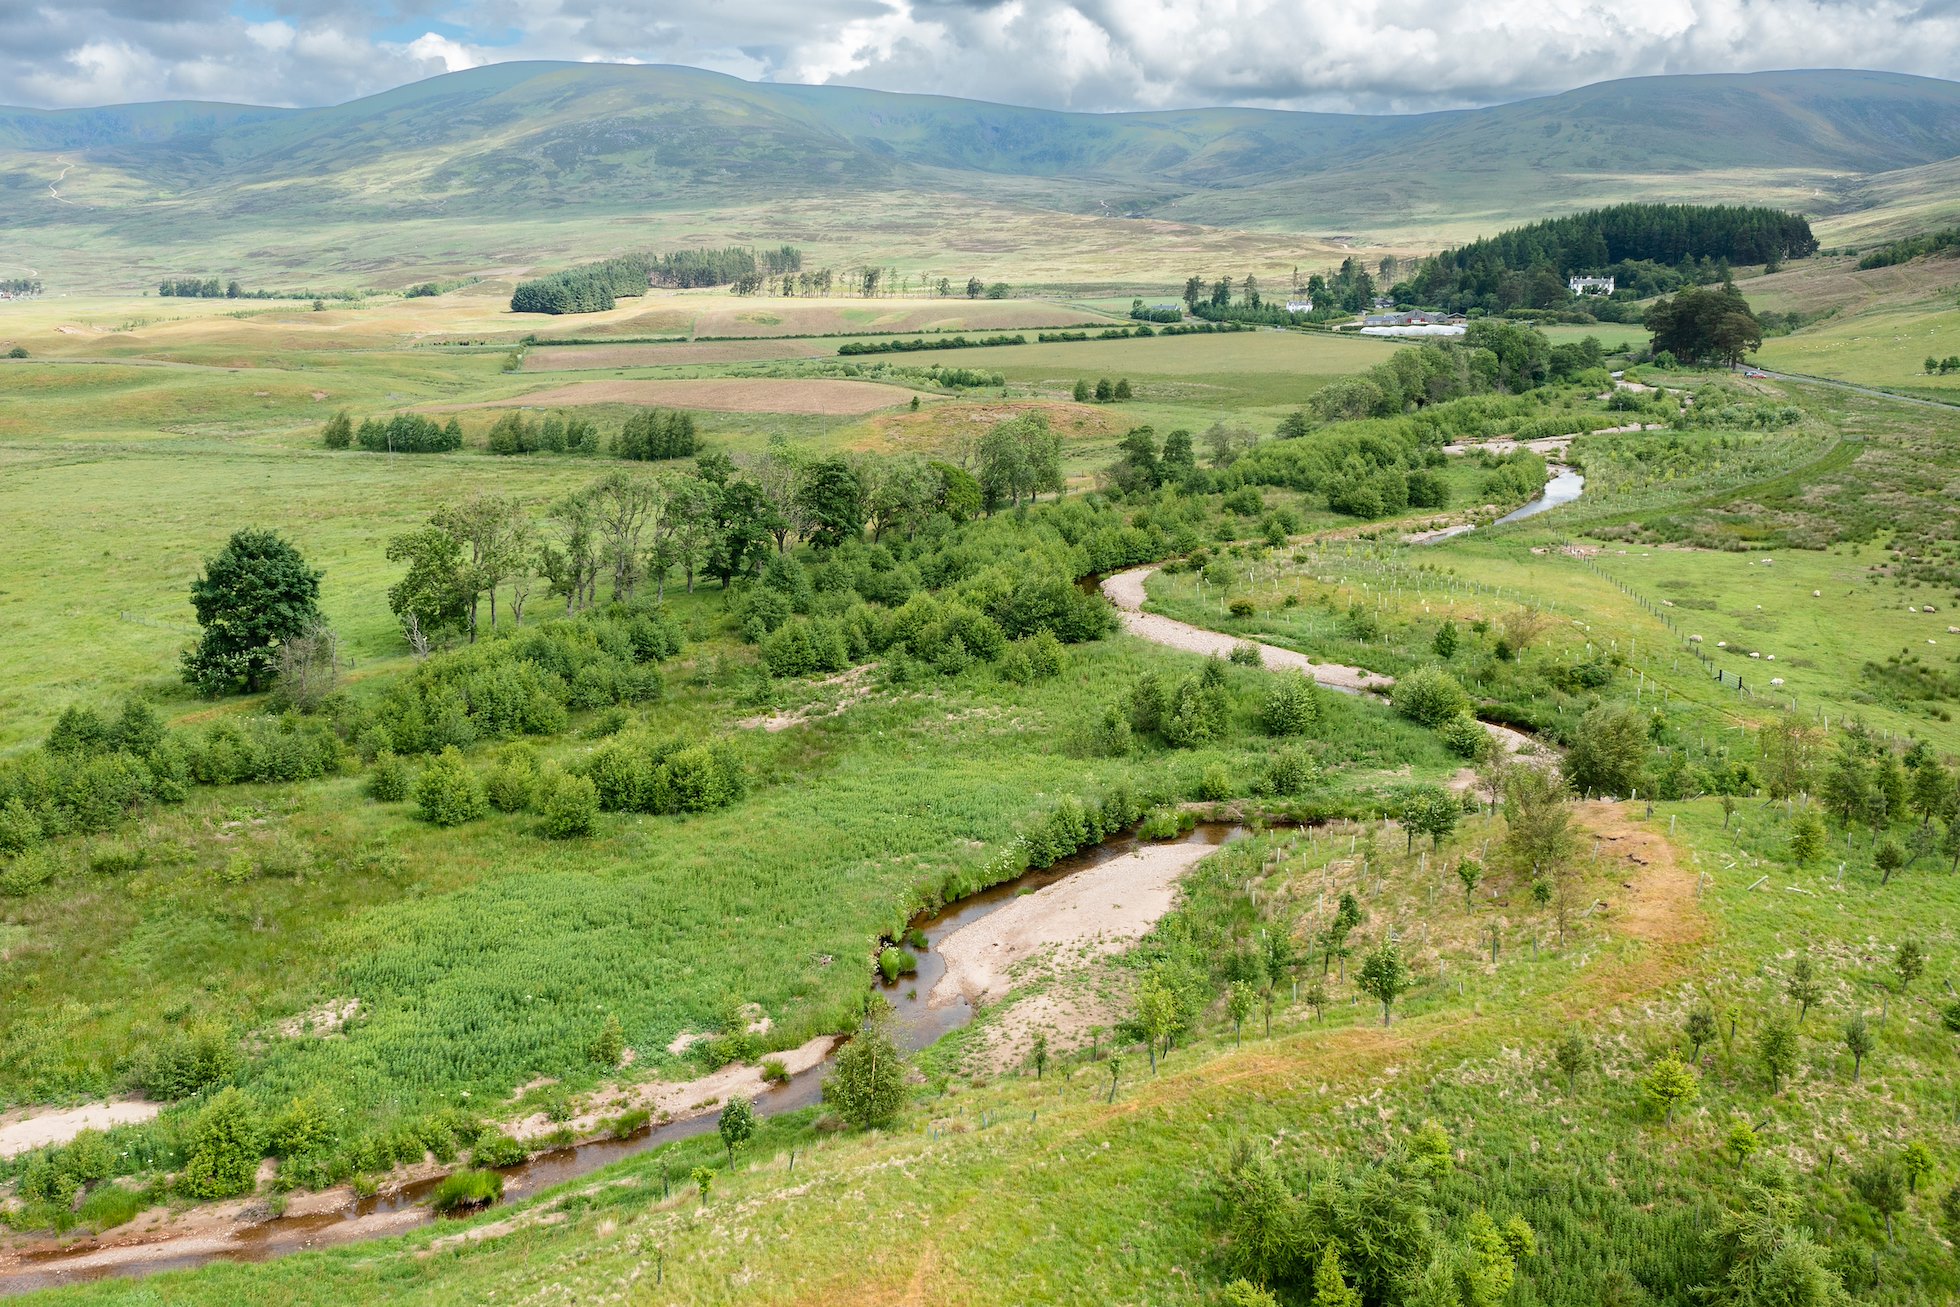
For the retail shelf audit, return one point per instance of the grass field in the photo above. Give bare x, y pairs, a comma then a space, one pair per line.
1783, 520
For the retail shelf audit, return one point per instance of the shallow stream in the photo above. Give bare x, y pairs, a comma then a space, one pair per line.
917, 1024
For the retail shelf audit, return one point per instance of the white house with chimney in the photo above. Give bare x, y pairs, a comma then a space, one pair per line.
1591, 285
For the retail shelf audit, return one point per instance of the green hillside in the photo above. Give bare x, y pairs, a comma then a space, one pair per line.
530, 161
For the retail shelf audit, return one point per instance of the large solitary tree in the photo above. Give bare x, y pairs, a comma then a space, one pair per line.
255, 593
1705, 323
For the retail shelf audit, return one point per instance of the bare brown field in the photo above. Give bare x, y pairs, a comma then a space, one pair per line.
579, 358
727, 316
940, 427
1812, 285
819, 397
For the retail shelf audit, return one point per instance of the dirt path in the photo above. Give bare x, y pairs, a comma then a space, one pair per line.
1125, 590
21, 1132
1804, 380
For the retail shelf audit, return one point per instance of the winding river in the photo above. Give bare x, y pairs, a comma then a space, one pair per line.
919, 1021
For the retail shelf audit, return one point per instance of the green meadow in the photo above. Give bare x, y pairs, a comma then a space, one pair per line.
784, 766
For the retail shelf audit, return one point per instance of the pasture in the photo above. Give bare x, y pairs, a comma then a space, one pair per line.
483, 957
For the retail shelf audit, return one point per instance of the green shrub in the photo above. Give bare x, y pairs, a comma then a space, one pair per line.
774, 1072
466, 1190
894, 962
497, 1149
185, 1061
1216, 784
27, 873
866, 1085
1431, 696
1246, 654
609, 1045
513, 783
1465, 736
448, 793
1045, 654
1240, 608
1166, 823
301, 1128
1292, 705
1110, 736
389, 781
225, 1149
20, 829
1292, 771
629, 1123
568, 807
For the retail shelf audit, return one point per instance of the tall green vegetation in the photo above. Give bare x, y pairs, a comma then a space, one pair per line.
589, 288
1705, 324
256, 593
595, 287
866, 1085
1911, 247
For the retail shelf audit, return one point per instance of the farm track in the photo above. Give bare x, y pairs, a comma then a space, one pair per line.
1805, 379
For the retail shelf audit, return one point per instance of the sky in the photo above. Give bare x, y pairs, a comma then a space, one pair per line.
1095, 55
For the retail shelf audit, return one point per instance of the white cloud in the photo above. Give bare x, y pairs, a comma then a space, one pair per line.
453, 55
274, 36
1086, 54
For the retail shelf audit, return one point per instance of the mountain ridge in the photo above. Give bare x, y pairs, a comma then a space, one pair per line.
580, 145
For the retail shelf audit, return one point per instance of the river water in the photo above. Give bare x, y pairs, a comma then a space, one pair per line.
917, 1024
1565, 486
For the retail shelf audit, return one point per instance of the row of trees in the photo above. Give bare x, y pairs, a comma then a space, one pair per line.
209, 288
403, 433
735, 265
630, 528
1348, 289
1103, 391
1528, 266
647, 435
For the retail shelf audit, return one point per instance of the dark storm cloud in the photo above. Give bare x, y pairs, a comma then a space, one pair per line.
1084, 54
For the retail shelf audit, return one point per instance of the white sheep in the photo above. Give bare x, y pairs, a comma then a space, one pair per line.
1776, 680
1694, 639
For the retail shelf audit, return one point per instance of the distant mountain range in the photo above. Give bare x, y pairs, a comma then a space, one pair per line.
515, 162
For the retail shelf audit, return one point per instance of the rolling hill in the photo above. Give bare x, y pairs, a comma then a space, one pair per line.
530, 162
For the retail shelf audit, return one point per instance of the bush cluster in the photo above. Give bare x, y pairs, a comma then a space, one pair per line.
999, 593
639, 774
557, 433
523, 684
94, 770
405, 433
